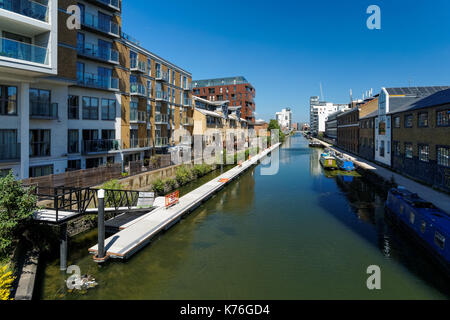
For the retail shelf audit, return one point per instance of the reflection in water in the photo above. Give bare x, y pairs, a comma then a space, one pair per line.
314, 162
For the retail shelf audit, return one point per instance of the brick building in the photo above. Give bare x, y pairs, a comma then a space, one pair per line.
348, 130
237, 90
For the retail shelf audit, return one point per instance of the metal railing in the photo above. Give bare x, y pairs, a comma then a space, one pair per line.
10, 151
107, 26
111, 3
43, 110
137, 88
161, 141
93, 50
187, 102
27, 8
95, 81
100, 146
138, 116
161, 96
140, 143
137, 65
161, 119
162, 75
23, 51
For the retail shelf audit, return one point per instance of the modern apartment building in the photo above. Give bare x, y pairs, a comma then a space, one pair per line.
284, 118
237, 90
319, 112
80, 98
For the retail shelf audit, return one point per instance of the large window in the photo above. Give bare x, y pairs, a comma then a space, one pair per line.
73, 107
108, 109
409, 121
73, 165
443, 156
90, 108
408, 150
8, 100
39, 143
424, 152
73, 141
108, 134
423, 120
443, 118
41, 171
397, 122
40, 102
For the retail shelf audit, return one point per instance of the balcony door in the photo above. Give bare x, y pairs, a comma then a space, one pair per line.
104, 22
104, 48
104, 77
90, 135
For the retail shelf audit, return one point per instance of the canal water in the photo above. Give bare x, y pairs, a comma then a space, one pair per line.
299, 234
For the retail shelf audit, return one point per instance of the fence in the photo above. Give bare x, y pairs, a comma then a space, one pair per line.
160, 162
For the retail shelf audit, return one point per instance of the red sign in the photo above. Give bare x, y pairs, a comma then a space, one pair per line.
172, 199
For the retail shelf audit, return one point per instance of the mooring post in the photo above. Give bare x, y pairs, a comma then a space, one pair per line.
63, 247
101, 224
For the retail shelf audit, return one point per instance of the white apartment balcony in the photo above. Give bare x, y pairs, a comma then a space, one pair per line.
161, 142
136, 65
138, 116
35, 13
95, 81
95, 52
137, 89
108, 4
161, 119
162, 76
139, 144
100, 146
15, 50
100, 25
187, 86
161, 96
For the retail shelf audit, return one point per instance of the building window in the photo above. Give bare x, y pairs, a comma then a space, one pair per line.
443, 118
149, 67
4, 172
442, 156
73, 107
41, 171
39, 101
39, 143
396, 148
73, 142
90, 108
424, 153
73, 165
397, 122
408, 150
382, 148
8, 100
423, 120
108, 109
108, 134
409, 121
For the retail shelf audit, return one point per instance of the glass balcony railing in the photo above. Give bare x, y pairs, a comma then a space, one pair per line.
10, 151
43, 110
161, 141
111, 3
188, 122
136, 65
100, 146
161, 75
27, 8
138, 116
161, 95
137, 88
140, 143
187, 102
94, 51
95, 81
23, 51
103, 25
161, 119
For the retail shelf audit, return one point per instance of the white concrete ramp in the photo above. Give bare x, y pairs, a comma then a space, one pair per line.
138, 233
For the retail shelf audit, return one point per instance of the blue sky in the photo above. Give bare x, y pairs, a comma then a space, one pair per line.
287, 48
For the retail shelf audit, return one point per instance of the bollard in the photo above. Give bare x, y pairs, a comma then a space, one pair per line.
101, 224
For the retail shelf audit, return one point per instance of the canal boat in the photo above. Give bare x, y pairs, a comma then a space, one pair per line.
315, 144
429, 225
328, 161
345, 164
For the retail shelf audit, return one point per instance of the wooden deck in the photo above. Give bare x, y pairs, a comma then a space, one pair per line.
139, 232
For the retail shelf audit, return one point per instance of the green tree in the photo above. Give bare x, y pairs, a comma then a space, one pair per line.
17, 205
273, 125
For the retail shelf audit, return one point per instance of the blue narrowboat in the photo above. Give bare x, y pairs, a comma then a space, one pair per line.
345, 164
429, 225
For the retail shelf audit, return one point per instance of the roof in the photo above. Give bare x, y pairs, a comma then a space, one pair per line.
370, 115
416, 91
214, 103
398, 104
219, 82
209, 113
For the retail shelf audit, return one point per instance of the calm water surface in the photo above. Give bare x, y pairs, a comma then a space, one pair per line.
300, 234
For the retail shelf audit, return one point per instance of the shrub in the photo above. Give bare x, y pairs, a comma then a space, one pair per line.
183, 175
113, 184
17, 205
6, 280
170, 184
158, 186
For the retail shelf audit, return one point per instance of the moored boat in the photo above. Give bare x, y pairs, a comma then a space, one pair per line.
345, 164
328, 161
315, 144
429, 225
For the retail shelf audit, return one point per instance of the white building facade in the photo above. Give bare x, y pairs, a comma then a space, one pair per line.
319, 113
284, 118
383, 130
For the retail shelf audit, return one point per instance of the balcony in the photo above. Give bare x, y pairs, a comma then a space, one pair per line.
27, 8
23, 51
102, 25
161, 76
187, 86
95, 52
10, 152
140, 143
43, 110
161, 96
100, 146
161, 119
189, 122
137, 89
138, 116
113, 4
136, 65
187, 102
91, 80
161, 142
